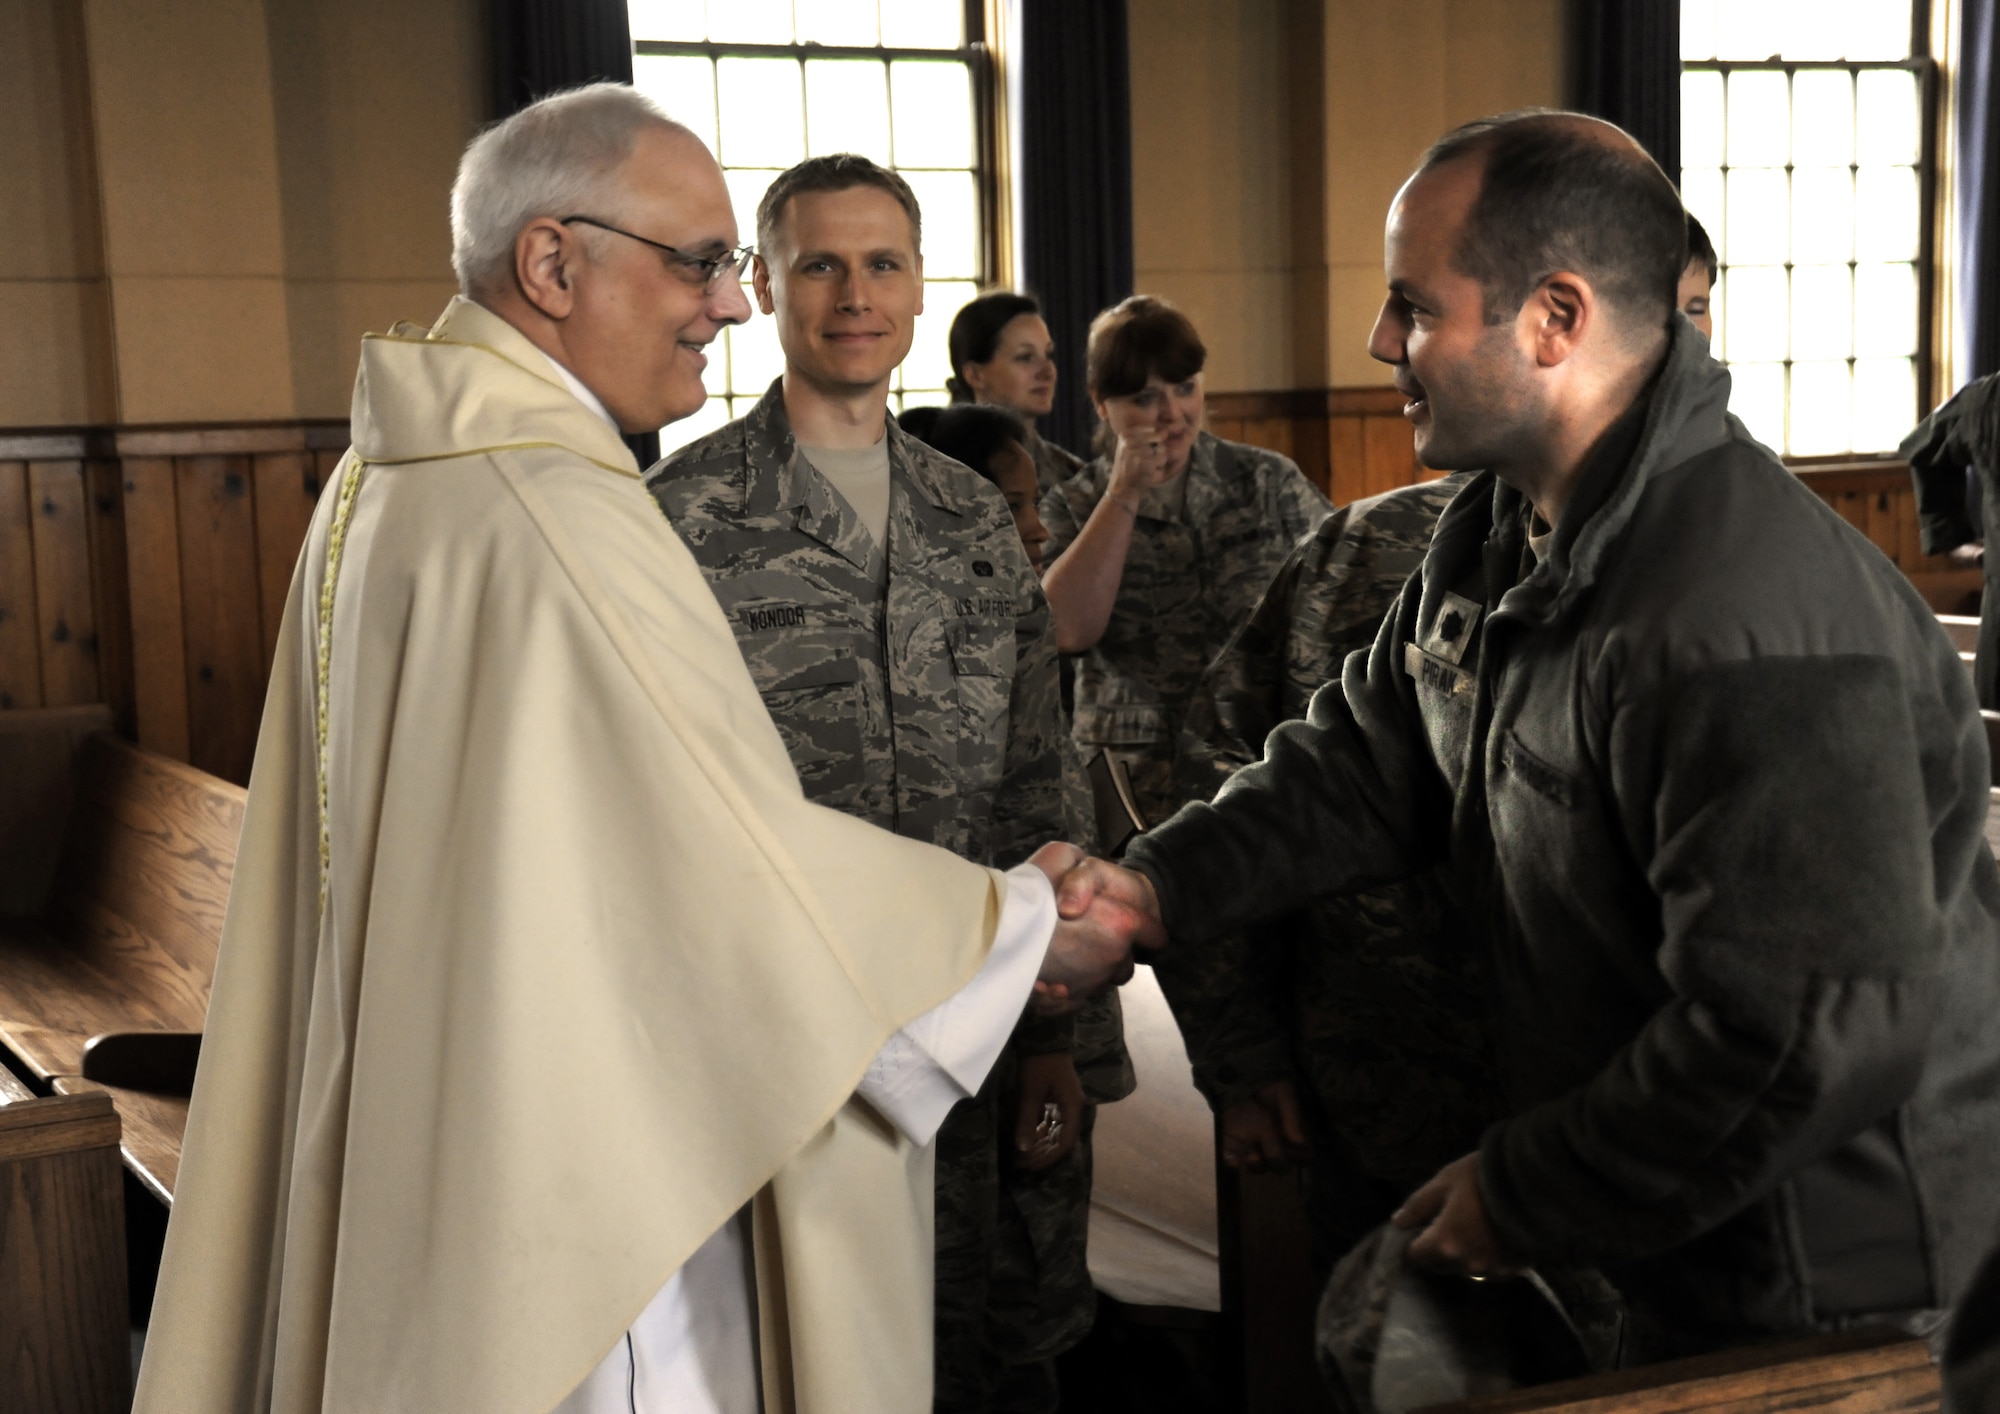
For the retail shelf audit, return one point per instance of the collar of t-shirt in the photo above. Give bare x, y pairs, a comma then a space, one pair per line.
583, 394
861, 476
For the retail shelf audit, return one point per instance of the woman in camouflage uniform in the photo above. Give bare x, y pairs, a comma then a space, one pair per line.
1002, 354
1162, 546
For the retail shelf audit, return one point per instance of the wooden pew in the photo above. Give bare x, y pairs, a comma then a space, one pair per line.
1963, 630
65, 1347
1855, 1372
123, 941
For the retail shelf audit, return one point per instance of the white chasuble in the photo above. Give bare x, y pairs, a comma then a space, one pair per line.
564, 973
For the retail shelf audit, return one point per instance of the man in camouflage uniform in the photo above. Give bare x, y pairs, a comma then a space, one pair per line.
909, 664
1368, 1003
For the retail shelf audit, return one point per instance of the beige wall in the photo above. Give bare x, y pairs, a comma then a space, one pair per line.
220, 196
1268, 139
55, 345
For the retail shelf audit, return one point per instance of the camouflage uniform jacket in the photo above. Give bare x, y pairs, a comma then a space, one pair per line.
1191, 576
929, 710
1053, 465
1371, 999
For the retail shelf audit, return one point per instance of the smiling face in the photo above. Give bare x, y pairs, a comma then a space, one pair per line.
1021, 375
1013, 471
846, 284
641, 322
1472, 393
1170, 412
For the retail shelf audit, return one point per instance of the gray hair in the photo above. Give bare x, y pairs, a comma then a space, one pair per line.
557, 157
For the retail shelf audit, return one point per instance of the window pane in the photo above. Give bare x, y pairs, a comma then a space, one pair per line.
1885, 310
1760, 119
684, 86
746, 188
1822, 418
667, 19
1701, 191
1757, 228
847, 107
1697, 29
923, 24
1757, 395
1822, 118
932, 107
929, 363
1887, 125
1750, 29
1885, 402
754, 355
675, 435
1701, 119
763, 120
1757, 312
1822, 312
848, 22
1878, 29
750, 21
1885, 204
1822, 214
950, 204
1820, 33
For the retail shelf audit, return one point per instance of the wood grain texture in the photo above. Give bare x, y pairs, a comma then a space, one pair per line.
219, 608
111, 590
20, 634
1269, 1298
65, 611
64, 1344
153, 1128
287, 488
139, 895
1855, 1372
153, 562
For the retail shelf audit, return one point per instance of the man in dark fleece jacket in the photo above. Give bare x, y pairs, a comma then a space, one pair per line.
1700, 766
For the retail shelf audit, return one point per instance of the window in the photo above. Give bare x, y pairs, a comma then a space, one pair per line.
1806, 135
768, 83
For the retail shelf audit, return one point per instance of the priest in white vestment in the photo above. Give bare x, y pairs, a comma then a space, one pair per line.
560, 1055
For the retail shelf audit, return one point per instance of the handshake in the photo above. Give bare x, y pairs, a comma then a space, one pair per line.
1103, 912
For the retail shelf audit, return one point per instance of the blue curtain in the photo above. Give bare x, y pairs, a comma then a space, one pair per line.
543, 46
1627, 70
1076, 182
1978, 122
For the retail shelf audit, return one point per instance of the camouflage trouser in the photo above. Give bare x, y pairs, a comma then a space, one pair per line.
1013, 1286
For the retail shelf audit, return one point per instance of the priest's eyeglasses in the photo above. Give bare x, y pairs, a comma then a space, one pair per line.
706, 270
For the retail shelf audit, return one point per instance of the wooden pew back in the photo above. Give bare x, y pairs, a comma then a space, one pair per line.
64, 1343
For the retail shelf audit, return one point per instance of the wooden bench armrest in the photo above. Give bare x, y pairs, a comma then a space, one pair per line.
157, 1062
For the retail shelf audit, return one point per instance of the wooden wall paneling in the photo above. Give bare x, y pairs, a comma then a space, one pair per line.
285, 491
66, 617
153, 562
1885, 511
111, 590
1347, 461
20, 647
219, 606
1390, 454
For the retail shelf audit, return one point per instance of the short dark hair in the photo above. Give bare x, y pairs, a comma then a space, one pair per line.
970, 433
1555, 196
1136, 338
1701, 248
837, 171
975, 333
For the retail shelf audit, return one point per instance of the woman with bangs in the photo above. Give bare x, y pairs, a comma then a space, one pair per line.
1160, 547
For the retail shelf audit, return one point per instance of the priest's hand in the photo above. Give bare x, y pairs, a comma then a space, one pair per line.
1097, 926
1049, 1111
1263, 1133
1457, 1235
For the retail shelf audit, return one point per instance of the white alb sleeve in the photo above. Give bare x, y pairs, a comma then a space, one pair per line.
943, 1056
